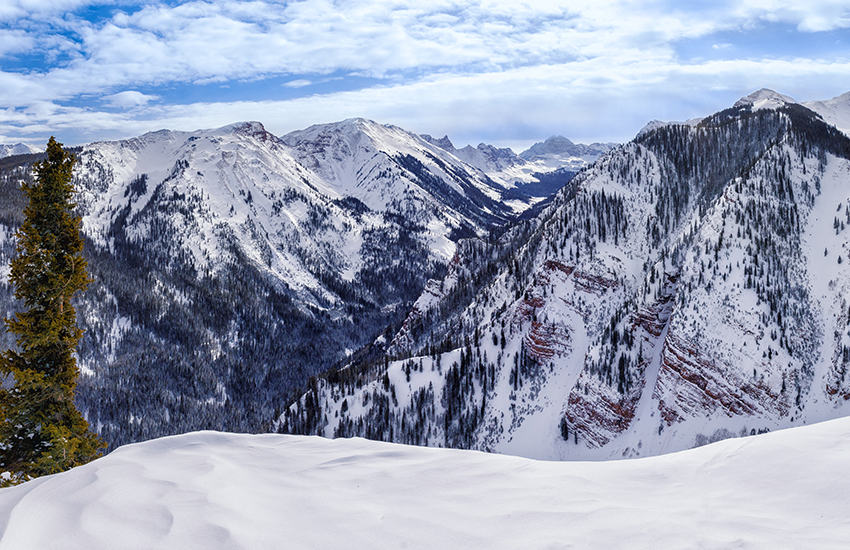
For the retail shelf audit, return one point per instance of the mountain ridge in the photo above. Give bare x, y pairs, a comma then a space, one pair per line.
646, 310
230, 264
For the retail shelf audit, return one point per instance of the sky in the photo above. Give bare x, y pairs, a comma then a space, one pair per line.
506, 72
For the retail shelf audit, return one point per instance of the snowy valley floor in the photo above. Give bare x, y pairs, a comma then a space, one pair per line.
209, 490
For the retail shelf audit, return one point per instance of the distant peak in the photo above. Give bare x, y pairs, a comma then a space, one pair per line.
251, 128
443, 142
558, 141
655, 124
764, 99
18, 149
559, 145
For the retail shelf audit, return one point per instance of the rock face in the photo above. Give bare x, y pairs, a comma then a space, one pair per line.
690, 286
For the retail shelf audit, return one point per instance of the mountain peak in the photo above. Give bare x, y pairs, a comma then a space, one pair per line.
557, 146
443, 142
18, 149
764, 99
251, 128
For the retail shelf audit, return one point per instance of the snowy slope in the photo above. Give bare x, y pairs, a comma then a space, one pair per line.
18, 149
836, 111
226, 491
237, 181
387, 167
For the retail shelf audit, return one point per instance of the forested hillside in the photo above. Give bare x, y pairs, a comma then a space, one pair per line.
688, 287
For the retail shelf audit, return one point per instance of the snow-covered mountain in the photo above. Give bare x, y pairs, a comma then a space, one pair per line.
688, 287
539, 171
558, 149
223, 491
230, 265
18, 149
835, 111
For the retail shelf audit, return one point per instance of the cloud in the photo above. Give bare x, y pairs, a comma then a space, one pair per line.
300, 83
16, 9
129, 99
518, 105
478, 70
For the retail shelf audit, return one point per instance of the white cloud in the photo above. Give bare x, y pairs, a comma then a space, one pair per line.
15, 9
519, 105
809, 16
300, 83
590, 70
129, 99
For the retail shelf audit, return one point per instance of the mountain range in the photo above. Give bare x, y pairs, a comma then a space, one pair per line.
230, 265
355, 278
687, 287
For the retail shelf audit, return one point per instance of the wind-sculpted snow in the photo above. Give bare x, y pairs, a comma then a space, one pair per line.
689, 286
226, 491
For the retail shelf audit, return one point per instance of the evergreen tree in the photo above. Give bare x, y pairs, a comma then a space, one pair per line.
41, 430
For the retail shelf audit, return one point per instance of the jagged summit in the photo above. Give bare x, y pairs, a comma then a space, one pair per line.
249, 128
554, 145
443, 142
764, 99
559, 146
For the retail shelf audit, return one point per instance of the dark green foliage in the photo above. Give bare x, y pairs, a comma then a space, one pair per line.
41, 430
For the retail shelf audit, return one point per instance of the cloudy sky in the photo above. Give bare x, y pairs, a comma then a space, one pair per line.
503, 72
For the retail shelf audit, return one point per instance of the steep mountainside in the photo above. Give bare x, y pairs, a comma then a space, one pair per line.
690, 286
230, 265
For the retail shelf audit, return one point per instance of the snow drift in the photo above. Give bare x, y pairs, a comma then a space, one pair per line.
213, 490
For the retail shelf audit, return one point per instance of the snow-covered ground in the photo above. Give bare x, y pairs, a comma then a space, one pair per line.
210, 490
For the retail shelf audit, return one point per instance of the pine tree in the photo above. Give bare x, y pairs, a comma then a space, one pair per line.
41, 430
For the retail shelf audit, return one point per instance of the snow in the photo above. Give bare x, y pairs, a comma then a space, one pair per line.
835, 111
213, 490
830, 281
764, 99
18, 149
655, 124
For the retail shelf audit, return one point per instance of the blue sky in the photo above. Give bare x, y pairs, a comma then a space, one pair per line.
502, 72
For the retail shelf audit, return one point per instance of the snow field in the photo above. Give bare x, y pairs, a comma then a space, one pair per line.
227, 491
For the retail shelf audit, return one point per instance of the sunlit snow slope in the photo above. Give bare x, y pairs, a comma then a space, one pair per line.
222, 491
